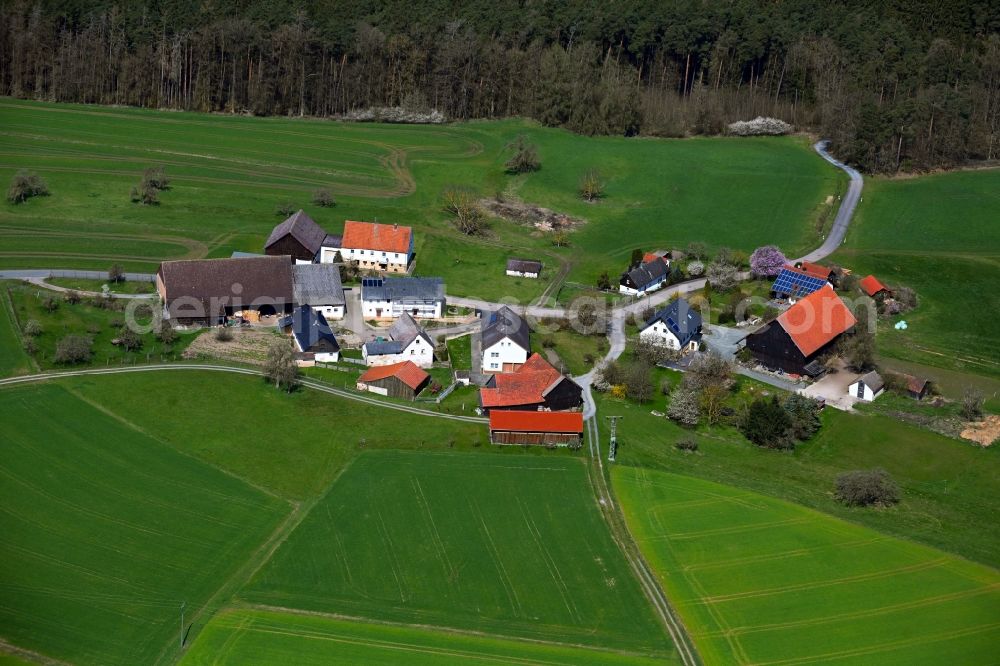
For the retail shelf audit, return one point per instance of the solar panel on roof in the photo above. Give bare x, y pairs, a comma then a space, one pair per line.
796, 284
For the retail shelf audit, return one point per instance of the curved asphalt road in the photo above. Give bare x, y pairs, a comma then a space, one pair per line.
846, 211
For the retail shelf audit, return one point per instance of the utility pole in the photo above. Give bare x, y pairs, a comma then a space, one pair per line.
183, 603
613, 449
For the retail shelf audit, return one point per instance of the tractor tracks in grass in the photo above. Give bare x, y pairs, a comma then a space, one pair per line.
615, 521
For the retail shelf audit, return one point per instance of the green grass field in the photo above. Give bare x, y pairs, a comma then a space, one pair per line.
292, 445
460, 352
950, 488
84, 284
229, 173
511, 545
763, 581
939, 235
256, 636
107, 531
13, 359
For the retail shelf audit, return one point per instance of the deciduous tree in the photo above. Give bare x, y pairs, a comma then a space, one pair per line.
280, 367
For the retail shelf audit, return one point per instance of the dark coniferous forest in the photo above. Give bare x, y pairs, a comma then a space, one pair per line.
897, 85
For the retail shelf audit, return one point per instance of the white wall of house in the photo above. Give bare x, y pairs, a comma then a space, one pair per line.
419, 351
320, 357
638, 292
392, 309
330, 311
395, 261
657, 333
327, 254
299, 262
867, 394
522, 274
501, 352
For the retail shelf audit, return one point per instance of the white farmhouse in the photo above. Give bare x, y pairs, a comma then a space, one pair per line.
380, 247
319, 287
648, 276
867, 387
676, 327
506, 343
406, 342
388, 298
314, 339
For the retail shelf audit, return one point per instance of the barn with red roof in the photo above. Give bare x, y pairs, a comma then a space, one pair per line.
526, 428
871, 286
800, 335
398, 380
534, 385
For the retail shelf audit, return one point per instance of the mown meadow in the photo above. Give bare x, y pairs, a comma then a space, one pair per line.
230, 173
937, 234
760, 580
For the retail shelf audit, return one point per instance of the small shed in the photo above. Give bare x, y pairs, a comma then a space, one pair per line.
399, 380
529, 268
867, 387
524, 428
871, 286
916, 387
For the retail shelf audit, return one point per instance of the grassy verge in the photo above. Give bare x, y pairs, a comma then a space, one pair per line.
460, 352
83, 284
13, 359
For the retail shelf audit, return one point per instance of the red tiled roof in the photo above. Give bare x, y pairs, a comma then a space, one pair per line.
374, 236
406, 372
816, 270
816, 320
519, 421
524, 386
871, 286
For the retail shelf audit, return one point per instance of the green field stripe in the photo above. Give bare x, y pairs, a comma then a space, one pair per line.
283, 637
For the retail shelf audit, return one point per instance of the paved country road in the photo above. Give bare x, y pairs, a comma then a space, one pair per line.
846, 211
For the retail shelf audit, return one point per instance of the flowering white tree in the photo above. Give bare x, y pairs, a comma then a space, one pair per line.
767, 261
759, 126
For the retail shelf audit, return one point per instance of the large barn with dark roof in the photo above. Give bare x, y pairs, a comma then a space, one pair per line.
208, 290
298, 237
801, 334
